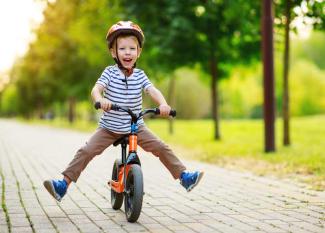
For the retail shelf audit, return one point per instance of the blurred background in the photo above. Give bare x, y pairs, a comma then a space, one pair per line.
204, 55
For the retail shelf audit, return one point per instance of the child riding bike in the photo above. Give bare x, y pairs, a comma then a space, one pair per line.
123, 84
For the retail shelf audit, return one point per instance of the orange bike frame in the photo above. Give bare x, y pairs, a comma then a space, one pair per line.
133, 142
118, 186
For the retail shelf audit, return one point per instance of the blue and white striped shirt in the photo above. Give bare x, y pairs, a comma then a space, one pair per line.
127, 95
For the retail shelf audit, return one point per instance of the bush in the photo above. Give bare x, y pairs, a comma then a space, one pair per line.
307, 85
192, 97
242, 93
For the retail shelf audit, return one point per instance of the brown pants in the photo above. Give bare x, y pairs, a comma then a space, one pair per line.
103, 138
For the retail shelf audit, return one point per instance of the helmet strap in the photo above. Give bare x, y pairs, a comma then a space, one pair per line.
128, 72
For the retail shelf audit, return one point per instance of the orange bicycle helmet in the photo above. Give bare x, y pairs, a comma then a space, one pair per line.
124, 27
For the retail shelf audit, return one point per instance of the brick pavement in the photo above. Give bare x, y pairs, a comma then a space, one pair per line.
225, 201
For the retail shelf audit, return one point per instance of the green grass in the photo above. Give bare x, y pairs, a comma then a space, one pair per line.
242, 145
85, 126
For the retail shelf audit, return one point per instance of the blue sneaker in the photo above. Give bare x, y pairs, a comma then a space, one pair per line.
57, 188
190, 179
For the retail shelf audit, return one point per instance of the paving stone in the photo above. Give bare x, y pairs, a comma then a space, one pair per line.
45, 230
4, 228
22, 229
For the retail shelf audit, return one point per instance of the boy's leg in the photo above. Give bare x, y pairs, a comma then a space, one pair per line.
100, 140
149, 142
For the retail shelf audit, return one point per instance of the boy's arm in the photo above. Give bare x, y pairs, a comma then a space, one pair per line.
96, 94
156, 95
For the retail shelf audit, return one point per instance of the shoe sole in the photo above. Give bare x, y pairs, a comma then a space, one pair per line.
190, 188
50, 188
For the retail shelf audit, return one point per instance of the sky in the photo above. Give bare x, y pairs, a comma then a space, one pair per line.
17, 18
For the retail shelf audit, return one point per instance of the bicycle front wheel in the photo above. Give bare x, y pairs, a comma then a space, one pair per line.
134, 193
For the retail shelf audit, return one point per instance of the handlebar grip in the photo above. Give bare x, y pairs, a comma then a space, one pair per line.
171, 113
113, 106
97, 105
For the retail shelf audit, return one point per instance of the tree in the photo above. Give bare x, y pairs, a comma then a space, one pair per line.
285, 101
268, 73
52, 69
208, 33
311, 13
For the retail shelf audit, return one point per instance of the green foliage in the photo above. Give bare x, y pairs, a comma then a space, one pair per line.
67, 56
9, 101
307, 89
89, 28
69, 53
312, 49
316, 11
85, 111
209, 33
180, 33
51, 70
306, 11
242, 93
189, 105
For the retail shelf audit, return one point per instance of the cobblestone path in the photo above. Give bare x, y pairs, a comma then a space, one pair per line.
225, 201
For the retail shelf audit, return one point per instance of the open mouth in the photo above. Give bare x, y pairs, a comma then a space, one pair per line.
127, 60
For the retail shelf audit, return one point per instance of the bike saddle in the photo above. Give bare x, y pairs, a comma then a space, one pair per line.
123, 140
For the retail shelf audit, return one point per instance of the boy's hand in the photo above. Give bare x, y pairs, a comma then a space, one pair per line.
105, 104
164, 110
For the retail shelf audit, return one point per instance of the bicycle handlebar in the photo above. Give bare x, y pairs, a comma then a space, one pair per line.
116, 107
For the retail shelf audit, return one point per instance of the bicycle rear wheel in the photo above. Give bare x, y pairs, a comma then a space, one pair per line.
116, 198
134, 193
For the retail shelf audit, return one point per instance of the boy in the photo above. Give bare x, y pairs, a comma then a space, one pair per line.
123, 84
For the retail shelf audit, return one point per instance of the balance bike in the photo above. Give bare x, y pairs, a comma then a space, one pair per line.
127, 178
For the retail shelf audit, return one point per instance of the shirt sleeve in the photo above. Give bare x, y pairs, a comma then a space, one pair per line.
145, 82
104, 79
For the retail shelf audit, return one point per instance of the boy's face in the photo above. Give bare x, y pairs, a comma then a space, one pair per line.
128, 50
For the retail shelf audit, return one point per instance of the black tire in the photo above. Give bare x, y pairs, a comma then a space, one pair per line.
134, 193
116, 198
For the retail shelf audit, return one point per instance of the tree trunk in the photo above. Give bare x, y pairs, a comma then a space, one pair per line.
71, 114
171, 100
40, 110
214, 96
268, 74
285, 100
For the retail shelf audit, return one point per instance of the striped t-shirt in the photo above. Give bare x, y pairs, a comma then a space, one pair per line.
127, 94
